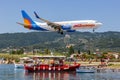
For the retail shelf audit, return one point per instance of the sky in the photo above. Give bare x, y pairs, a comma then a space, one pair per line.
104, 11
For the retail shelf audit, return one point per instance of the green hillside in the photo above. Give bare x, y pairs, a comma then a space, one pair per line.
107, 41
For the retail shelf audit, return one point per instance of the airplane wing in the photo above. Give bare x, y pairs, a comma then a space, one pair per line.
56, 26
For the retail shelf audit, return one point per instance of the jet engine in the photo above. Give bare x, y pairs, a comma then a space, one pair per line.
66, 27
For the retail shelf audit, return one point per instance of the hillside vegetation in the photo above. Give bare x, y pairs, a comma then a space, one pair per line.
107, 41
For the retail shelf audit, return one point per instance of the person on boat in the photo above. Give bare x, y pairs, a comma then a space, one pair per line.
61, 62
42, 61
52, 62
36, 61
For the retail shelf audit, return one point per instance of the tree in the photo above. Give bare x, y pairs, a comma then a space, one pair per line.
47, 51
79, 52
20, 51
71, 50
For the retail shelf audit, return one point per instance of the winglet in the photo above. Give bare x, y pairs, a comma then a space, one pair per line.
36, 15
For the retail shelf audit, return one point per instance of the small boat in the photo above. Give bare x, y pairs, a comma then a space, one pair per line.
23, 61
19, 65
86, 69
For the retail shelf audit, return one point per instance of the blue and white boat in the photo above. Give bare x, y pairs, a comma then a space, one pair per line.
86, 69
19, 65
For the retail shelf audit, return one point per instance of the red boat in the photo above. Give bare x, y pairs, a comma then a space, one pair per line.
52, 66
46, 67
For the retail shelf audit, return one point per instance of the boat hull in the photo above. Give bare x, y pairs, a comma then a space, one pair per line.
85, 69
45, 67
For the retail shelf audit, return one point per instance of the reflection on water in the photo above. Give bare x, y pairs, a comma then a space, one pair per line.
51, 75
8, 72
72, 76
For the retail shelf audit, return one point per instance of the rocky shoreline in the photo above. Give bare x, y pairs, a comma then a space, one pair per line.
110, 65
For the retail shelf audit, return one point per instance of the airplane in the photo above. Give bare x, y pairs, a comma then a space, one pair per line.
60, 27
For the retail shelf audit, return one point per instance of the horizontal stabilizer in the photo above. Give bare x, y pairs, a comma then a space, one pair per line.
25, 25
20, 23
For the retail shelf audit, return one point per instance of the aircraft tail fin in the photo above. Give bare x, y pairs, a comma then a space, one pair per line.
28, 22
27, 19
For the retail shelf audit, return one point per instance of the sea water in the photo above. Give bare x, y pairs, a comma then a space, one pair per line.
9, 72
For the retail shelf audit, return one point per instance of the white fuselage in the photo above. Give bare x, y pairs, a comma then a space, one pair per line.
73, 25
69, 26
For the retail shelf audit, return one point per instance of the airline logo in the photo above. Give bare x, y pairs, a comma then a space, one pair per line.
83, 25
28, 23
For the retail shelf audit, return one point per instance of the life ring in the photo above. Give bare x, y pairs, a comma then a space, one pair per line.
38, 68
34, 68
43, 68
53, 68
49, 68
59, 68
